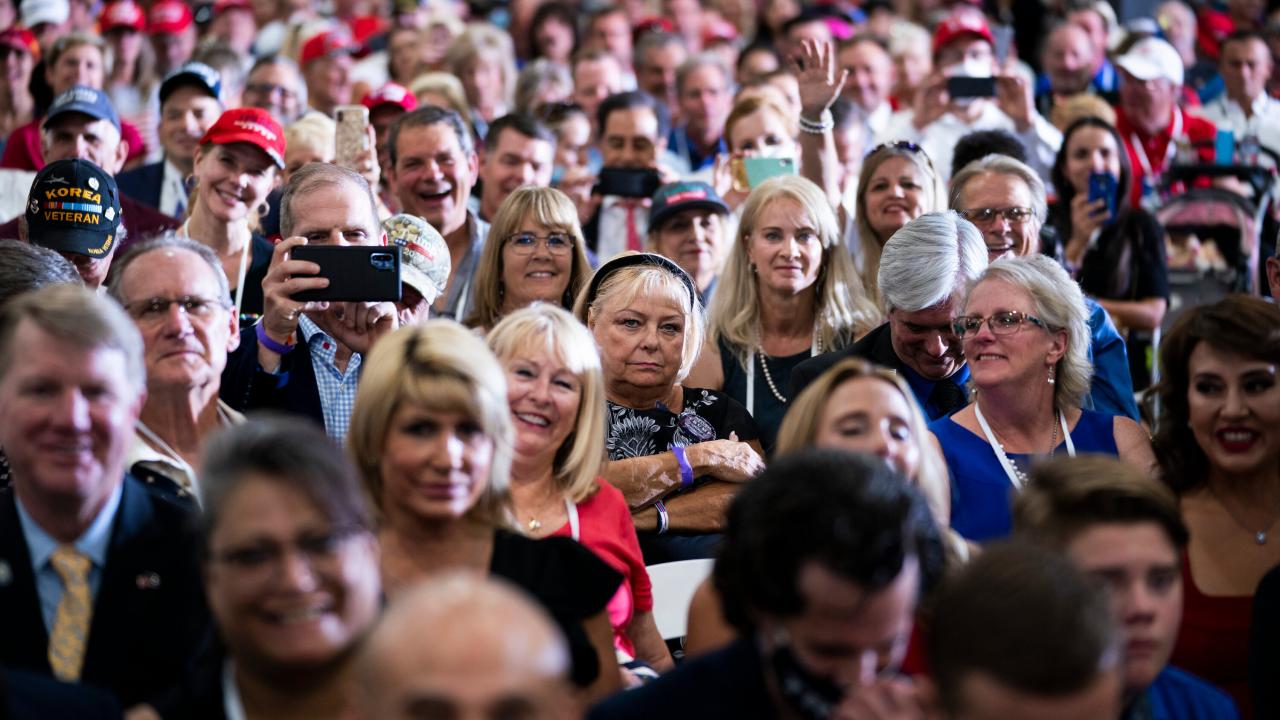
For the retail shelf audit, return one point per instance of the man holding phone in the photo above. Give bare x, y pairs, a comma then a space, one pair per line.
633, 135
968, 92
305, 357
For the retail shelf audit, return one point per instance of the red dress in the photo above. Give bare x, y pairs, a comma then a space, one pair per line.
606, 529
1213, 641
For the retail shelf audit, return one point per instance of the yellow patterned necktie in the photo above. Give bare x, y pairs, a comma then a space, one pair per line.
71, 624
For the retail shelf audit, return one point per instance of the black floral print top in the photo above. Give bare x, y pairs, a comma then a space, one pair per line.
707, 415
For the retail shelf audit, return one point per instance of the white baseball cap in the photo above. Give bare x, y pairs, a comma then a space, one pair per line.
35, 12
1152, 58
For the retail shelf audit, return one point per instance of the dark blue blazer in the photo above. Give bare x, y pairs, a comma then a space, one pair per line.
27, 696
149, 616
293, 389
143, 183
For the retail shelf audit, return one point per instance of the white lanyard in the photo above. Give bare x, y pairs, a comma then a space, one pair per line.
1169, 151
1015, 477
244, 264
571, 508
751, 376
232, 706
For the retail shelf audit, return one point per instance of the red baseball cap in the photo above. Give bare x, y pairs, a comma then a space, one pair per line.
248, 125
325, 44
958, 26
124, 14
21, 39
169, 16
390, 94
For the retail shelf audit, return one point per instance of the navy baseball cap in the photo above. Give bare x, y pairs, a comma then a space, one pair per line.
74, 206
680, 196
196, 74
83, 100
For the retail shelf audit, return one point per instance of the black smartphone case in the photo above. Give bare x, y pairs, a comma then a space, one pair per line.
357, 273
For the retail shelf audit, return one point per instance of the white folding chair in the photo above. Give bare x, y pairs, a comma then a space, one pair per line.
673, 586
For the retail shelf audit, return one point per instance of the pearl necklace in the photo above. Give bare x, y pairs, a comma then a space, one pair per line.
1015, 473
768, 377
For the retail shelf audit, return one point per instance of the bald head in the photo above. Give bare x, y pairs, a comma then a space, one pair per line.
464, 646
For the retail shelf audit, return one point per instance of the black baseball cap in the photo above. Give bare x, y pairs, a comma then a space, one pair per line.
680, 196
197, 75
74, 206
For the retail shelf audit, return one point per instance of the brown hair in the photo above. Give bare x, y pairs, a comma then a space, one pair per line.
1239, 325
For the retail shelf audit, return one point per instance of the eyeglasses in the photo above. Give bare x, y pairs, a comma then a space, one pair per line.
985, 216
269, 89
155, 309
525, 243
1001, 323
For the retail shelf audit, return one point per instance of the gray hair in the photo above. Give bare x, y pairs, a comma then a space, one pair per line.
1002, 165
655, 40
1060, 305
929, 259
25, 267
74, 314
314, 175
702, 60
536, 75
165, 242
299, 86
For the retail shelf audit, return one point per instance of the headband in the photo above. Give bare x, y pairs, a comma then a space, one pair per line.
631, 259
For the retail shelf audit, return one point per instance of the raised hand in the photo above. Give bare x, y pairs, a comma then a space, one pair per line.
820, 83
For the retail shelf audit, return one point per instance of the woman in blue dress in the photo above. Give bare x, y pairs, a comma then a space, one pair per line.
1025, 333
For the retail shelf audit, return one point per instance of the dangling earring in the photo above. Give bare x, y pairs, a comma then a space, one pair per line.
189, 182
502, 290
753, 268
1052, 379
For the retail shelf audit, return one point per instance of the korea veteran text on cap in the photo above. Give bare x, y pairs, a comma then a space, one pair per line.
74, 207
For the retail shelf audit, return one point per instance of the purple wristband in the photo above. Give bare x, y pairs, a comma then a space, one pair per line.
272, 345
686, 470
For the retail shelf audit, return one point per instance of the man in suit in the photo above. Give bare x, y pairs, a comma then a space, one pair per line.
190, 102
924, 270
98, 576
305, 357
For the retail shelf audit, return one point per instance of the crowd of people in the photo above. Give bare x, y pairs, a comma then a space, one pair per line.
939, 334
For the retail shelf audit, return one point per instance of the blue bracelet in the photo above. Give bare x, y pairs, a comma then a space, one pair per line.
664, 520
272, 345
686, 470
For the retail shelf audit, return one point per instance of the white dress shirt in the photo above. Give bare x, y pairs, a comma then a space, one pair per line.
612, 234
939, 138
173, 192
1263, 122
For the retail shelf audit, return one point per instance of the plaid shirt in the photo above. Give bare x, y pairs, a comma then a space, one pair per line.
337, 389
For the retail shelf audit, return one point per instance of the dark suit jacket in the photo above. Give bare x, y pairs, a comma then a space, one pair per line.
26, 696
149, 615
143, 183
247, 387
876, 346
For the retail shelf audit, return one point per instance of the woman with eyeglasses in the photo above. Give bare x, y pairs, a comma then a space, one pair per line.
897, 184
290, 562
535, 253
432, 435
1025, 334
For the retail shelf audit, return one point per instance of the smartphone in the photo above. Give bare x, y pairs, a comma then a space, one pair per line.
960, 86
351, 138
1102, 186
1003, 36
1224, 148
356, 273
628, 182
759, 169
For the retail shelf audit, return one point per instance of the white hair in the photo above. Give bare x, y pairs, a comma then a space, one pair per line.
929, 259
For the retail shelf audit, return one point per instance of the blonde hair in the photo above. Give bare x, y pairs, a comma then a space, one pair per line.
1056, 299
751, 105
547, 207
446, 85
313, 130
624, 285
579, 460
870, 244
484, 40
800, 425
443, 367
841, 307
